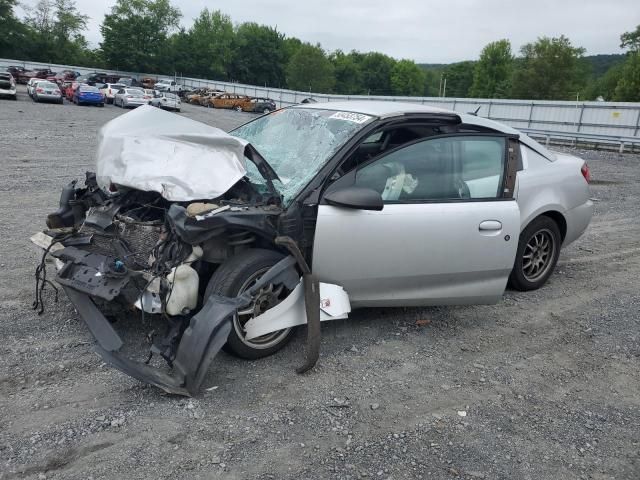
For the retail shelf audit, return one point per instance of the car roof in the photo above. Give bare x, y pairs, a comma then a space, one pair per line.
381, 108
375, 108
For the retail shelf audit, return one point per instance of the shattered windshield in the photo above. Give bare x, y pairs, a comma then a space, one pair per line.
297, 142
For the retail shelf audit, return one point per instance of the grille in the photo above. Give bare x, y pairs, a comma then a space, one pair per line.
140, 238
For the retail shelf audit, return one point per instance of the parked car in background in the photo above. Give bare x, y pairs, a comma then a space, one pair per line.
64, 76
64, 86
230, 100
20, 74
109, 90
31, 85
259, 105
8, 86
44, 73
70, 89
147, 82
88, 95
129, 82
46, 91
200, 96
129, 98
205, 99
166, 101
148, 93
24, 75
169, 86
98, 77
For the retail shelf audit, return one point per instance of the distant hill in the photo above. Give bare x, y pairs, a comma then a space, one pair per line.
601, 63
433, 66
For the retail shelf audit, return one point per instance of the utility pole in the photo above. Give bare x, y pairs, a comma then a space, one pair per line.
444, 89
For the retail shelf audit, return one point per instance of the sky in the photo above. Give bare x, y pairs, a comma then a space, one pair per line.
426, 31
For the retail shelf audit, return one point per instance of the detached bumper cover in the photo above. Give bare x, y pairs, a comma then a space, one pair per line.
201, 341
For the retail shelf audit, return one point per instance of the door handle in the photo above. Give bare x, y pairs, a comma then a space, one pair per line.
490, 225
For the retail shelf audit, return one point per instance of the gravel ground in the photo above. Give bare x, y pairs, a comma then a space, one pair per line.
543, 385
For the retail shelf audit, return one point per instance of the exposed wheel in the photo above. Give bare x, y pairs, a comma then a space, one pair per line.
266, 110
235, 276
537, 254
237, 108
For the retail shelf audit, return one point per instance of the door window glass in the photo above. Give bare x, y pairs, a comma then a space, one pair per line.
446, 168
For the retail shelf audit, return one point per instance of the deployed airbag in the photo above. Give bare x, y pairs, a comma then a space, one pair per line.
152, 150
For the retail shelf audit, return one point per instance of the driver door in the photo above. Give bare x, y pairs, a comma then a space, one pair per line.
447, 232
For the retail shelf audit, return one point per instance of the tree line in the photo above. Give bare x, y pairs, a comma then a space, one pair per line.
146, 36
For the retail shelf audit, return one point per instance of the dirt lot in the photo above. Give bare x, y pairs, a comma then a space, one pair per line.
549, 380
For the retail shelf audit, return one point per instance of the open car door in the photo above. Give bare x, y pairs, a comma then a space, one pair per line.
447, 231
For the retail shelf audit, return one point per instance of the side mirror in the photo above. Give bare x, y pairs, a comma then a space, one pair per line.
355, 197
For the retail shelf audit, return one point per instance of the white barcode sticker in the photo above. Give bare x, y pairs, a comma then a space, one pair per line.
351, 117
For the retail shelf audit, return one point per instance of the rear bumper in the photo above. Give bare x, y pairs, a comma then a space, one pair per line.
91, 100
8, 91
48, 98
135, 104
578, 219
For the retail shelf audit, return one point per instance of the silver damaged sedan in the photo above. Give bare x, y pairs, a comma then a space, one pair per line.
299, 216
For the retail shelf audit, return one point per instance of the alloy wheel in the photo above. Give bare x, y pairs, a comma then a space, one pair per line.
269, 296
538, 254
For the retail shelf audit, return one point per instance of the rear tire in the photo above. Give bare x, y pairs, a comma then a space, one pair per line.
537, 254
233, 277
237, 108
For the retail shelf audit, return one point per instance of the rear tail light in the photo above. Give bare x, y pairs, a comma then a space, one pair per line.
56, 92
129, 96
39, 90
585, 172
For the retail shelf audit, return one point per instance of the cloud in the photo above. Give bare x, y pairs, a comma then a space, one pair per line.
421, 30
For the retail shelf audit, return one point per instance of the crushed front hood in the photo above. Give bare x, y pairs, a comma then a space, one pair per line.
152, 150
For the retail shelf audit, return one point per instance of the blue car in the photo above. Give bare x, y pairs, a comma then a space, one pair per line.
86, 94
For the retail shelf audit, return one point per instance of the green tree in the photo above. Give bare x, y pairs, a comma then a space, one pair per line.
258, 55
459, 77
136, 34
12, 38
631, 40
54, 32
210, 43
432, 76
492, 73
310, 70
628, 87
551, 69
291, 46
347, 72
605, 86
376, 73
407, 78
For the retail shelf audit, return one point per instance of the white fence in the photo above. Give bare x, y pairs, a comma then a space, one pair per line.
618, 120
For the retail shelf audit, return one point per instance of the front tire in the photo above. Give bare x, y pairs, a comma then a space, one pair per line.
235, 276
537, 254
